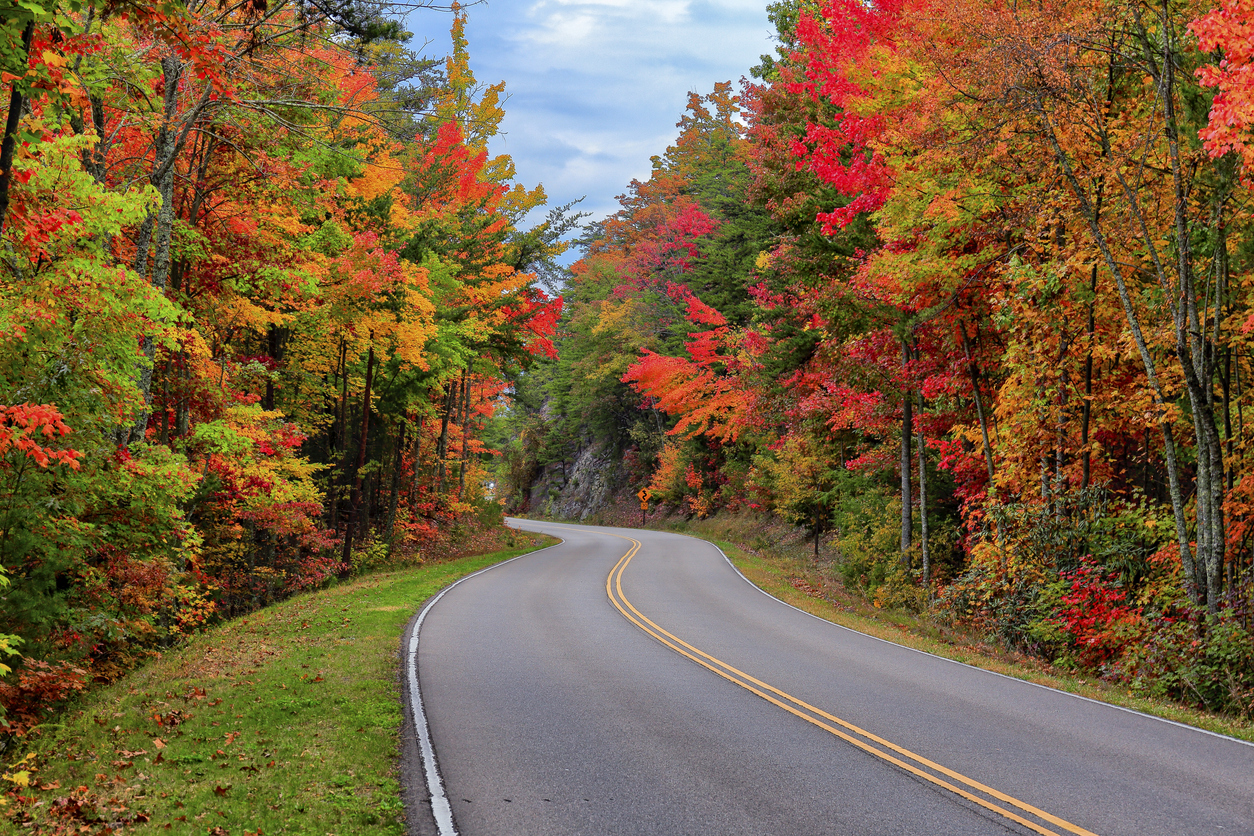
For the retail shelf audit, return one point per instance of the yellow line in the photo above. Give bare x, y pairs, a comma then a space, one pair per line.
614, 589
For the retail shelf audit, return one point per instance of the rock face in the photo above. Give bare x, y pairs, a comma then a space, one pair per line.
576, 492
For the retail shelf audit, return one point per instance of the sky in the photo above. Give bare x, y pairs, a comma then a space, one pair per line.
595, 87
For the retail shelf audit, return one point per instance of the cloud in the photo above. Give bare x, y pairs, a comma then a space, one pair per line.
596, 86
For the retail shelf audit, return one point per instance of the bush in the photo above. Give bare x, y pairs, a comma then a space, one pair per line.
1055, 578
373, 555
1094, 616
40, 688
1202, 659
870, 554
1003, 596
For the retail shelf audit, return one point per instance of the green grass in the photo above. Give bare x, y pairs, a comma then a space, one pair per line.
286, 721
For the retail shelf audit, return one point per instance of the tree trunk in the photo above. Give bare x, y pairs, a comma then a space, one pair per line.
361, 462
9, 144
1060, 428
274, 345
979, 411
818, 531
923, 534
339, 428
164, 436
417, 468
461, 476
182, 414
166, 148
1086, 409
1194, 354
441, 447
394, 496
907, 464
335, 438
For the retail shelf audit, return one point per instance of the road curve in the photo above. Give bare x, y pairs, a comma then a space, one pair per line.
632, 682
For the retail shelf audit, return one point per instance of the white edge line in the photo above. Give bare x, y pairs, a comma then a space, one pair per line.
964, 664
934, 655
440, 807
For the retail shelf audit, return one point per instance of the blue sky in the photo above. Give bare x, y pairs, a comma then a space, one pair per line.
596, 86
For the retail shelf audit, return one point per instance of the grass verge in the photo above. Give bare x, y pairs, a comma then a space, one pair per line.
285, 722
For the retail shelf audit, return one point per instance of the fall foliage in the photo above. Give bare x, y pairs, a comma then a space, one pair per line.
261, 286
960, 288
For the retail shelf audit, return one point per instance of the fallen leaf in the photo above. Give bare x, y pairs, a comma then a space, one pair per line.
158, 742
221, 791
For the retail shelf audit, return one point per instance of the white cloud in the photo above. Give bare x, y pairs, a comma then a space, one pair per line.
596, 86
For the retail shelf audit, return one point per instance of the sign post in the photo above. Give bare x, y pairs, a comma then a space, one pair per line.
644, 504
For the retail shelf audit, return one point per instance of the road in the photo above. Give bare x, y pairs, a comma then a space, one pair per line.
632, 682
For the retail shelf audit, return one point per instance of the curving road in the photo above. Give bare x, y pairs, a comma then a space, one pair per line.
632, 682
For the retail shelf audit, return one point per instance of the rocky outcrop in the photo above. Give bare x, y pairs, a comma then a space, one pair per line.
574, 492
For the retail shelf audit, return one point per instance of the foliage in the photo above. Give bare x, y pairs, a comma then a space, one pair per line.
325, 276
1198, 658
986, 264
1094, 614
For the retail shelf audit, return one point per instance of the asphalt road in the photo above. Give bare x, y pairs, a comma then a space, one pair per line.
573, 691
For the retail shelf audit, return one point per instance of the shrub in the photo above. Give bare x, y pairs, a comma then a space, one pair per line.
38, 690
1094, 615
1199, 658
1000, 595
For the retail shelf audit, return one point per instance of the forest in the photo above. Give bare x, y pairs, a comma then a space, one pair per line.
957, 287
261, 285
961, 289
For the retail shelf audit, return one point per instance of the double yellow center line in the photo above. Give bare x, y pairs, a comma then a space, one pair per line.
1011, 808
